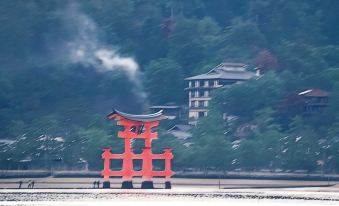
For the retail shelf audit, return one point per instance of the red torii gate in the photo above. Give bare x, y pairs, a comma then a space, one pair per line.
137, 127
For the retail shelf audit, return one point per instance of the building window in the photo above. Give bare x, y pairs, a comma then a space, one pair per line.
201, 114
201, 103
196, 83
210, 83
196, 93
206, 103
215, 83
190, 84
201, 93
201, 83
189, 94
206, 93
206, 83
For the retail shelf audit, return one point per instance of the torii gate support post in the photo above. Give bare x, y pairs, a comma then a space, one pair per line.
106, 157
137, 127
168, 157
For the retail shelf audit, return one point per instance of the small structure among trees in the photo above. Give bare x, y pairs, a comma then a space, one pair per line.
315, 100
305, 103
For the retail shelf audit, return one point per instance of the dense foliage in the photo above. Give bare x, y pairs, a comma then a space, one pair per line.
57, 82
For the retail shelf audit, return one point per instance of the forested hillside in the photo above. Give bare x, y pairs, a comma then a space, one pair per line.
65, 64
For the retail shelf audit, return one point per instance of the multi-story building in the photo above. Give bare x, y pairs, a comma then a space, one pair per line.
200, 86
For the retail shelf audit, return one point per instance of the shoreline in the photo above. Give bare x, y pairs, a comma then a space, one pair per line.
8, 174
90, 183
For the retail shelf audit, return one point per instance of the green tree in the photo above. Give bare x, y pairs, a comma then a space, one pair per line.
165, 81
299, 149
212, 150
182, 154
246, 98
195, 43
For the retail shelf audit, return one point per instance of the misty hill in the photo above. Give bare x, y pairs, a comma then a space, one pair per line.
65, 64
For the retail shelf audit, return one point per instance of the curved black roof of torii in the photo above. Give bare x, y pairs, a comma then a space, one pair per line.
140, 117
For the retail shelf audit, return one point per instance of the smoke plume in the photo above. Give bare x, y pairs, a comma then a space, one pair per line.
86, 47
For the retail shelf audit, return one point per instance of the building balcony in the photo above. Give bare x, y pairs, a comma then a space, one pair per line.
317, 104
203, 87
198, 108
200, 97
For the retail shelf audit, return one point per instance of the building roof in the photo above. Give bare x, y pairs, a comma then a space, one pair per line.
233, 71
140, 118
165, 107
314, 93
182, 135
181, 131
181, 127
7, 141
227, 66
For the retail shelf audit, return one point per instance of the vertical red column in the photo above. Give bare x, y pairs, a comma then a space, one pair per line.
127, 164
168, 172
106, 157
168, 157
106, 171
147, 165
146, 154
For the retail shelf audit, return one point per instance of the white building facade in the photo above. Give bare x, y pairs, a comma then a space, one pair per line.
200, 86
